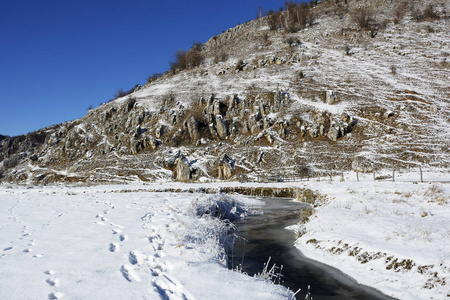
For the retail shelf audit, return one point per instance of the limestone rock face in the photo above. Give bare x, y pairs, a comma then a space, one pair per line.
222, 127
192, 128
362, 164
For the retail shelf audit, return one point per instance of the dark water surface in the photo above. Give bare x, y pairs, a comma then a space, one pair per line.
267, 237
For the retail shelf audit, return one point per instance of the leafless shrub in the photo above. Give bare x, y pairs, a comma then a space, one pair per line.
363, 17
187, 59
429, 12
240, 65
340, 10
347, 49
399, 12
194, 56
220, 57
394, 69
292, 40
154, 77
297, 17
179, 62
273, 19
301, 75
121, 93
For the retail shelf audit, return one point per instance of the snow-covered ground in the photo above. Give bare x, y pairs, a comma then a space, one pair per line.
91, 243
394, 236
110, 242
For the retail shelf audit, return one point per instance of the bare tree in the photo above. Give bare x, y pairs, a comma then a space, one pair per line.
179, 62
363, 17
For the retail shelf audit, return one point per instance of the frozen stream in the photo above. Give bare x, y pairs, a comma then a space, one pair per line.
267, 237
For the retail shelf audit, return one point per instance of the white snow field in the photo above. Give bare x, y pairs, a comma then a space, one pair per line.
92, 243
124, 242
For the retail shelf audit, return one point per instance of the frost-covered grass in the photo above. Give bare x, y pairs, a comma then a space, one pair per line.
93, 243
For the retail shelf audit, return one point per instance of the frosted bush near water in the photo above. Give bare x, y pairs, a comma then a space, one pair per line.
221, 234
214, 231
220, 206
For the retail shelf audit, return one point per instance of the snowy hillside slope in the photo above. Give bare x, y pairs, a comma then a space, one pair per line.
306, 102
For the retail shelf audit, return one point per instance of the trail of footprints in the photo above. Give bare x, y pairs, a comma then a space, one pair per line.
139, 263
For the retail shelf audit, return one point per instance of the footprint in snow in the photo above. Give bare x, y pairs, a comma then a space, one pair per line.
128, 273
28, 250
49, 272
52, 281
135, 257
38, 255
157, 242
169, 288
113, 247
116, 231
123, 237
147, 217
54, 296
8, 248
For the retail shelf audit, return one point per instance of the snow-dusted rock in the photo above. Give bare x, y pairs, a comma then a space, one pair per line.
226, 167
183, 173
332, 97
222, 127
192, 128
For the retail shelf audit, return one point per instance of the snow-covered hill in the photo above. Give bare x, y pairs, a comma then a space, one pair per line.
264, 101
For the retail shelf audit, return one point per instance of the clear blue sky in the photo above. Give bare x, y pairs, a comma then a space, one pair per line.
59, 57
